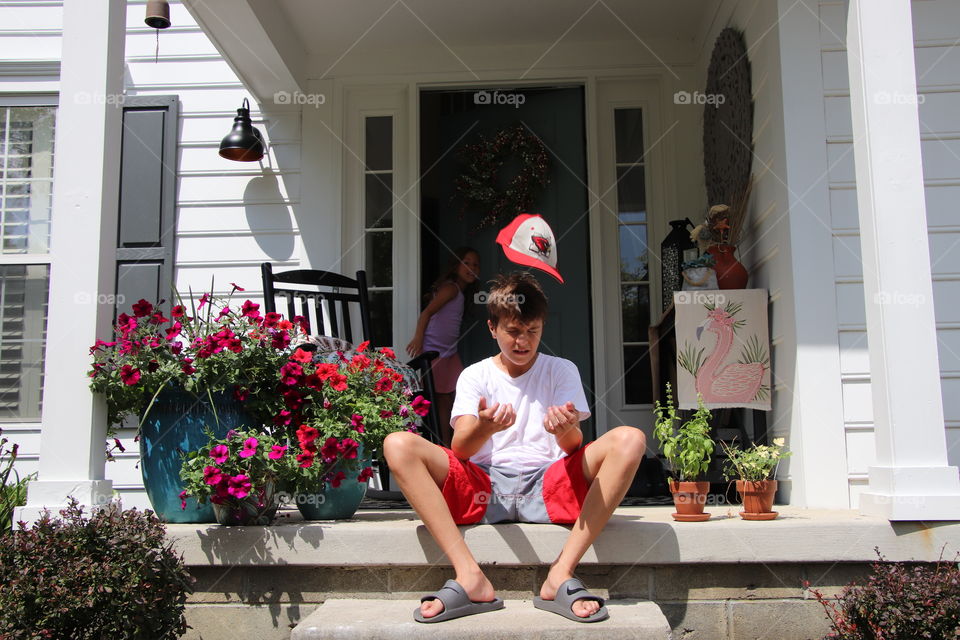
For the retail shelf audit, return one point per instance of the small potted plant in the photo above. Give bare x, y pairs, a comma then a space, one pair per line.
240, 474
755, 468
687, 446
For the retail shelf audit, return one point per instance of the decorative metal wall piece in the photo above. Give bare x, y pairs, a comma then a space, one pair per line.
728, 122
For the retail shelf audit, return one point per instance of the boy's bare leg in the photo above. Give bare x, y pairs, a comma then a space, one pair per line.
420, 468
609, 465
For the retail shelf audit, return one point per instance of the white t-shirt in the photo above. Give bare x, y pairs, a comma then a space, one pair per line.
526, 445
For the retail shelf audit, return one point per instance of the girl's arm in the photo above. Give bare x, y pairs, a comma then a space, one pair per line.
445, 294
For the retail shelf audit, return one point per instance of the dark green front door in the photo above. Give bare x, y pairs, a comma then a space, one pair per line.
451, 119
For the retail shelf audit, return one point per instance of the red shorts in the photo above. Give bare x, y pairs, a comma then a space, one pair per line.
552, 494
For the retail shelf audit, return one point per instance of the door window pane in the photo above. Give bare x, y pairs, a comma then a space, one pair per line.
379, 262
23, 321
636, 380
379, 200
633, 252
635, 306
381, 317
379, 143
628, 131
631, 194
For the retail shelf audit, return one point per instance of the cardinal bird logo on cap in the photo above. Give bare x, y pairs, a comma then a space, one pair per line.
540, 245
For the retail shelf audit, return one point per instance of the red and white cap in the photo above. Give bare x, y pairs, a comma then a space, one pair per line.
529, 241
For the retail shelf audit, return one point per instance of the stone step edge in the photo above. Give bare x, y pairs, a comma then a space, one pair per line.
342, 618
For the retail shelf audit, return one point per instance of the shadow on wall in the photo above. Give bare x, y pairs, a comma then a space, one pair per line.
268, 217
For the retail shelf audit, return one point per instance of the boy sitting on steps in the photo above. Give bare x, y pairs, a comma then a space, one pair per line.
516, 455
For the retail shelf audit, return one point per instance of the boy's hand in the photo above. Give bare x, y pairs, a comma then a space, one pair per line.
560, 419
498, 417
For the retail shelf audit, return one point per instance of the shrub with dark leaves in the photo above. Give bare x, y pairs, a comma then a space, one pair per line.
109, 575
898, 601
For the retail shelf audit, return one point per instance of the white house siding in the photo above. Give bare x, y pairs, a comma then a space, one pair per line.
29, 56
938, 82
230, 216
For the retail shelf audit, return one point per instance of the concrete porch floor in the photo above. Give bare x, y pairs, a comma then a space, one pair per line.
724, 578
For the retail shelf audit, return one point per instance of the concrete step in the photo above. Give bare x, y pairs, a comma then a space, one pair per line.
518, 620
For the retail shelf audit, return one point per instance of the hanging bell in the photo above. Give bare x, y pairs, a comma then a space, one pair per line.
158, 14
244, 143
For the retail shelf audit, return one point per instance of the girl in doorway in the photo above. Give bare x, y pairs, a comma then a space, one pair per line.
438, 329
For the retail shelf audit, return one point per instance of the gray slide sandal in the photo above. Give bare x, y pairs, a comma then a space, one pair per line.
456, 604
568, 593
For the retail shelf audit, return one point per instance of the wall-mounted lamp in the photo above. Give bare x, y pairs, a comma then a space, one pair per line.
158, 14
244, 143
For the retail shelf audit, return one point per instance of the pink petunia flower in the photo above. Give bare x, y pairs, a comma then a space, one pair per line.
129, 374
239, 486
348, 447
277, 452
204, 299
220, 453
212, 475
250, 310
365, 474
142, 308
330, 450
183, 499
420, 406
236, 287
249, 447
178, 311
290, 374
337, 479
338, 382
356, 421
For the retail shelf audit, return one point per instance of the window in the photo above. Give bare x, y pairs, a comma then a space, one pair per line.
378, 225
26, 185
633, 250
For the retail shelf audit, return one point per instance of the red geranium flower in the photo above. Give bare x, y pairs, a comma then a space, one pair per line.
326, 369
348, 447
305, 459
178, 311
330, 450
387, 351
271, 319
301, 356
363, 346
383, 384
365, 474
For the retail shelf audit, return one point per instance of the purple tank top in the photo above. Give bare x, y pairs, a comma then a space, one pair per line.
443, 330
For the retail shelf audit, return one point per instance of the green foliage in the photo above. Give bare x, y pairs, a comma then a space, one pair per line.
12, 494
687, 446
691, 358
758, 462
111, 575
898, 602
754, 352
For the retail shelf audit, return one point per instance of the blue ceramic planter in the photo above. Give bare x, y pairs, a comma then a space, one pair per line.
334, 504
175, 425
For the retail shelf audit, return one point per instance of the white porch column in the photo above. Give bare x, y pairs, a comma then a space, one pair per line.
83, 248
911, 480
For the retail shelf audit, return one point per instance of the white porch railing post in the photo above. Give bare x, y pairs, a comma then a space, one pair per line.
911, 479
83, 250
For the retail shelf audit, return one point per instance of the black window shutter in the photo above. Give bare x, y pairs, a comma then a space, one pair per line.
148, 190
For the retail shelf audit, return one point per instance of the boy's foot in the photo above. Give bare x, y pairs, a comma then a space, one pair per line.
477, 587
581, 608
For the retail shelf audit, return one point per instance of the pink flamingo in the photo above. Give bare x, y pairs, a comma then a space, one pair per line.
735, 382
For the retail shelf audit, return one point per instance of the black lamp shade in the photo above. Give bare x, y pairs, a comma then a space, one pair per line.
158, 14
244, 142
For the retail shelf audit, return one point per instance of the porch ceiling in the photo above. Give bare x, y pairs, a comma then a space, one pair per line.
276, 45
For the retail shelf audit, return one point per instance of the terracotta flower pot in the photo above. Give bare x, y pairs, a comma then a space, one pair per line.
757, 499
689, 499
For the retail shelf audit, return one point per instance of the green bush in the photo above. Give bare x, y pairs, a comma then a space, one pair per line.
898, 601
107, 576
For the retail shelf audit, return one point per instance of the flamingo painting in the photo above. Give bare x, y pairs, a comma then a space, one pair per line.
737, 382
